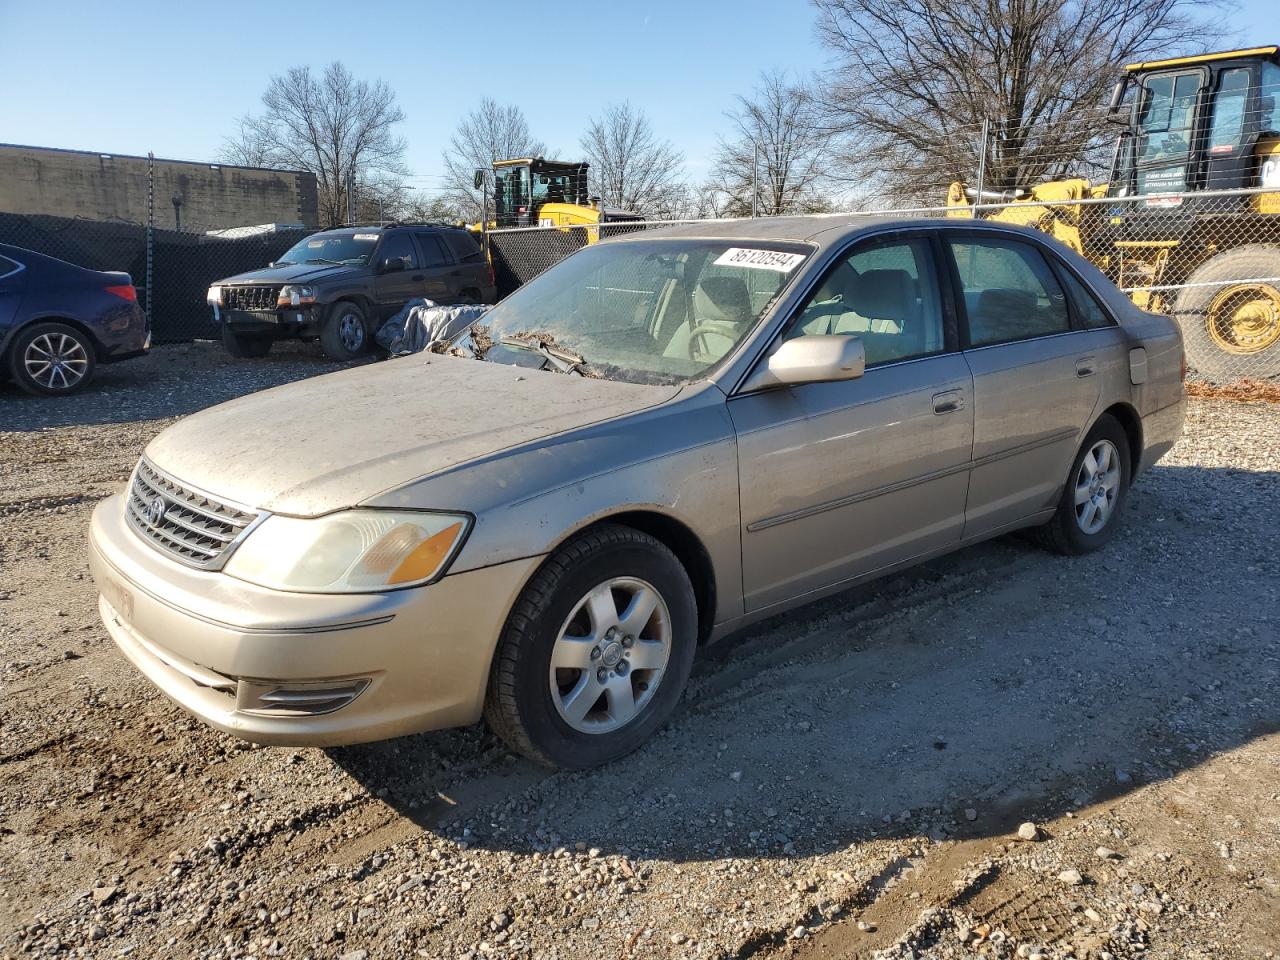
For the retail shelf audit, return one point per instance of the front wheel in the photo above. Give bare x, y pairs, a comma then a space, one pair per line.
1089, 511
596, 652
241, 345
345, 334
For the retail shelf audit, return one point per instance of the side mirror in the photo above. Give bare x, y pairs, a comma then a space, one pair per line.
391, 265
810, 359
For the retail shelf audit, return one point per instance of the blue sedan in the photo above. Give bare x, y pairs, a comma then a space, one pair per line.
58, 321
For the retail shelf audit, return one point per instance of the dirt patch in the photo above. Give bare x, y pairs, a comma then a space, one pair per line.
864, 760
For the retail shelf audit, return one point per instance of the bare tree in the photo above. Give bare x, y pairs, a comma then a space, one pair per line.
333, 125
488, 133
629, 166
778, 148
916, 79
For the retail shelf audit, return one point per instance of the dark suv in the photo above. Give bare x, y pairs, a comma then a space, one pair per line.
340, 285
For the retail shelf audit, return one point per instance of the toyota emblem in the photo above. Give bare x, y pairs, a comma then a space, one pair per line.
156, 509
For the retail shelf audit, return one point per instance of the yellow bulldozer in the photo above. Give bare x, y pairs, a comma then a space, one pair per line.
534, 192
1196, 127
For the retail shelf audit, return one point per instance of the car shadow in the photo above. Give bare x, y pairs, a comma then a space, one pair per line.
173, 380
1000, 680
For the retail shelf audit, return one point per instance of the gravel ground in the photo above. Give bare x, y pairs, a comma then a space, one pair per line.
845, 781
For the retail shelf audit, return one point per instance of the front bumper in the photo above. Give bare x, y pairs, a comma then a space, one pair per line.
414, 659
282, 323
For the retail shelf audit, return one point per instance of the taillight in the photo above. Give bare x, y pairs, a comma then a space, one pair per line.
493, 277
125, 292
1184, 364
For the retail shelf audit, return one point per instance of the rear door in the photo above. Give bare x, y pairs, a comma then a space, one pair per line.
1035, 377
399, 276
442, 278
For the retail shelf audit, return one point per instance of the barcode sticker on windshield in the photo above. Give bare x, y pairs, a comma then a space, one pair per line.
759, 259
366, 236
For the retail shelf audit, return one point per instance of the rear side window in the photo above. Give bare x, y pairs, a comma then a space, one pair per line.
433, 254
1010, 292
1088, 309
464, 246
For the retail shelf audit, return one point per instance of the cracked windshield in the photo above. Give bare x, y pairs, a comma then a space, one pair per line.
644, 311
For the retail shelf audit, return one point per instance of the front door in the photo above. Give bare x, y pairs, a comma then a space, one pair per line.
1035, 378
840, 479
399, 275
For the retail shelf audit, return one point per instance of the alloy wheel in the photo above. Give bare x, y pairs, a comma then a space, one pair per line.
610, 655
1097, 487
351, 332
56, 361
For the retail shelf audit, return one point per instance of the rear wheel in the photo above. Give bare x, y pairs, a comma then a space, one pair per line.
596, 652
345, 334
1230, 315
241, 345
1089, 511
51, 359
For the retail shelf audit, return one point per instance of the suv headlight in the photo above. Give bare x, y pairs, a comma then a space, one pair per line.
292, 296
214, 296
355, 551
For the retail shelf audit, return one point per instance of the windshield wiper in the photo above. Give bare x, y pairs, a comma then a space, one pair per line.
336, 263
559, 358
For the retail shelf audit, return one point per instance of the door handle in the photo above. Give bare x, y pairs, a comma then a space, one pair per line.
417, 276
948, 402
1085, 367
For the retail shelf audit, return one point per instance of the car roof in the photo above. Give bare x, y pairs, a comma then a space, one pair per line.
382, 227
823, 230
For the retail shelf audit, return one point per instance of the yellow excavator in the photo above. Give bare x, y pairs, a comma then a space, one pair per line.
534, 192
1195, 126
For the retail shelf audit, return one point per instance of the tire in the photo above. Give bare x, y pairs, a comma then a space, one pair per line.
52, 359
546, 713
1232, 330
345, 334
242, 345
1067, 532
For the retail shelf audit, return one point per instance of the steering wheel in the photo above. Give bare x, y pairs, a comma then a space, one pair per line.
703, 328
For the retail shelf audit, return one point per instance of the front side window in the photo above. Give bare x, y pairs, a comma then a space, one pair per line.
644, 311
399, 246
1167, 116
1010, 292
886, 294
1227, 130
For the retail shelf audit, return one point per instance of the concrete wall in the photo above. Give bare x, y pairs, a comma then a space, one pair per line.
72, 183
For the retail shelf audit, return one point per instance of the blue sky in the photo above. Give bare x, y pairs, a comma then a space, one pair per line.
173, 77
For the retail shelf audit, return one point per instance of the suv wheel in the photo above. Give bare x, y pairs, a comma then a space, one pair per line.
345, 334
51, 359
242, 345
596, 652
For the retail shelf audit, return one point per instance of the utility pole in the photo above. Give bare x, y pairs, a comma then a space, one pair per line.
755, 182
351, 217
982, 167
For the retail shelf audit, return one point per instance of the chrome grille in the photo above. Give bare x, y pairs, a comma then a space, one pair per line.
250, 297
185, 524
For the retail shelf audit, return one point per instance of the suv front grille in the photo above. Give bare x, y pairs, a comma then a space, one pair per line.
185, 524
250, 298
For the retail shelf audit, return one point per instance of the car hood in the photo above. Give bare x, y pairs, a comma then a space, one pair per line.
336, 440
293, 273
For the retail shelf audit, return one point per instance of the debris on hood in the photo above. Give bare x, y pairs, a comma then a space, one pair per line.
422, 323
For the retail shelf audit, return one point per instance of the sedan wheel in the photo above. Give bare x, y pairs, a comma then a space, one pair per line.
610, 656
596, 651
51, 359
1097, 487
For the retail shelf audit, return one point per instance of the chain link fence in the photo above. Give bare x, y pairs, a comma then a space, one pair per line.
1209, 259
180, 265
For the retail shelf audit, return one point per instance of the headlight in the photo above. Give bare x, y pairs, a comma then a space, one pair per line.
356, 551
214, 295
291, 296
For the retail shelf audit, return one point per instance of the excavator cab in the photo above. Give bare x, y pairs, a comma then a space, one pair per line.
523, 188
1207, 122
